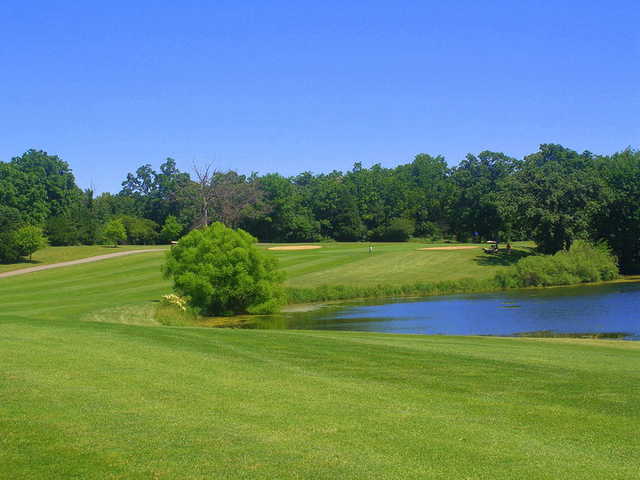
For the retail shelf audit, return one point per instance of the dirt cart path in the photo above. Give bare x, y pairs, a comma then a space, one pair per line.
97, 258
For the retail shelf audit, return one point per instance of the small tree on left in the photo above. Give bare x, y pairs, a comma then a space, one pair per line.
114, 232
28, 239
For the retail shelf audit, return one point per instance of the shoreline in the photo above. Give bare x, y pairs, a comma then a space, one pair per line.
238, 320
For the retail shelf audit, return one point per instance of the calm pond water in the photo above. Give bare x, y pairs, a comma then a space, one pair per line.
613, 308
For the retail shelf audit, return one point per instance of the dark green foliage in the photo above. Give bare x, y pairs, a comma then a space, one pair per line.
62, 230
139, 231
156, 195
618, 223
48, 175
554, 195
398, 230
222, 272
479, 182
582, 263
288, 220
10, 221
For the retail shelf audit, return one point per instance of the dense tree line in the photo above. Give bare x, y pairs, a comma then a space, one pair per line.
553, 196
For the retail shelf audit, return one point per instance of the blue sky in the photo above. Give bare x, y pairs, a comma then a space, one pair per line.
294, 86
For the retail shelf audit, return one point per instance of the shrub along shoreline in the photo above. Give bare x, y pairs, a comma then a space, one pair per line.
582, 264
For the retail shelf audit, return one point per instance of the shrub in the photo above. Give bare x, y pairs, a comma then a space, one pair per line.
139, 231
222, 272
398, 230
582, 263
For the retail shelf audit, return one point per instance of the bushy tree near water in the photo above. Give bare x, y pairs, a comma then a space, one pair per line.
582, 263
221, 272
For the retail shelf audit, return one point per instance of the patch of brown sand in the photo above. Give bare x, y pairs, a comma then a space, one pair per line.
295, 247
465, 247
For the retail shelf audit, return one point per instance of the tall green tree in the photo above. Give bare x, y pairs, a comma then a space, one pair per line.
479, 181
618, 223
554, 195
429, 192
288, 219
10, 221
53, 175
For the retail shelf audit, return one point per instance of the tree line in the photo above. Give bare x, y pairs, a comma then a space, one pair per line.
553, 196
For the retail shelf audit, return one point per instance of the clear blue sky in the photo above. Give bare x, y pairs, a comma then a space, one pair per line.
318, 85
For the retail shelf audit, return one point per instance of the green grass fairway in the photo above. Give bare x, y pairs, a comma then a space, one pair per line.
99, 288
95, 400
391, 263
50, 255
89, 389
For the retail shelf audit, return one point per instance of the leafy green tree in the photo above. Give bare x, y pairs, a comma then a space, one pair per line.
288, 219
398, 230
114, 232
10, 220
51, 174
62, 230
478, 185
24, 192
171, 229
222, 272
333, 204
139, 231
618, 223
29, 239
156, 195
555, 195
428, 192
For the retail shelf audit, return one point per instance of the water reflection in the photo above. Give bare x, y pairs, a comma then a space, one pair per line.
575, 310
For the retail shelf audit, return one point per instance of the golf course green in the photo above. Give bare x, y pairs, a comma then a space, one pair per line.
92, 387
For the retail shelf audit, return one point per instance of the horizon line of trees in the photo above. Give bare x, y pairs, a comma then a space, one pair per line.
553, 197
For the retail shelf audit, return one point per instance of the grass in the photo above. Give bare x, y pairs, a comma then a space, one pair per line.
93, 400
50, 255
92, 387
98, 288
350, 264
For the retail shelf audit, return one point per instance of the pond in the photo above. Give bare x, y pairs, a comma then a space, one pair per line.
611, 310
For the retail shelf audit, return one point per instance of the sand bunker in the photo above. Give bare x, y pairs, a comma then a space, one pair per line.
295, 247
460, 247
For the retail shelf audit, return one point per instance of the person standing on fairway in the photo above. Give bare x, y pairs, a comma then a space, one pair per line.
370, 249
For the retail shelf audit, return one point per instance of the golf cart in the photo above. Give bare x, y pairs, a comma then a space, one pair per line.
492, 248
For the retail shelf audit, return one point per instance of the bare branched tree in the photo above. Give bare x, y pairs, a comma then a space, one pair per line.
206, 176
236, 197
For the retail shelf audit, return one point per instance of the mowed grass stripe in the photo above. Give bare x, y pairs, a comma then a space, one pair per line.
83, 288
135, 402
